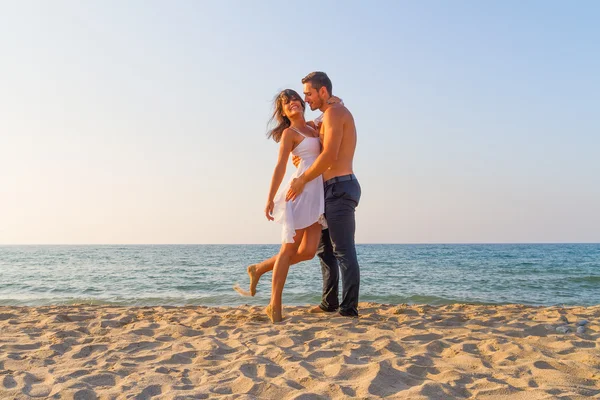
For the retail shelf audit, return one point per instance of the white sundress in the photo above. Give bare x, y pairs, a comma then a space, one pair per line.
309, 206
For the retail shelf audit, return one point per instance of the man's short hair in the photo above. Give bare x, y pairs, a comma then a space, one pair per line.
319, 79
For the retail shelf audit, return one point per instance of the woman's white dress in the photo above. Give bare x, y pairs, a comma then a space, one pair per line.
309, 206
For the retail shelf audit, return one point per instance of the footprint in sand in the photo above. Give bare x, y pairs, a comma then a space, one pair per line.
9, 382
85, 394
149, 392
100, 380
86, 351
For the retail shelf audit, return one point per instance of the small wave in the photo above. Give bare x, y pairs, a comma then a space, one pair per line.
421, 299
585, 279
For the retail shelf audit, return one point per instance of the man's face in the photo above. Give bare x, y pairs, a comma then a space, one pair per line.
312, 97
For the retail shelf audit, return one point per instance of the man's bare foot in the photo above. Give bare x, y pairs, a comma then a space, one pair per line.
253, 279
273, 316
318, 310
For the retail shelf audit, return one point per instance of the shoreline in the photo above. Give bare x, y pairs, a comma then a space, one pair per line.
259, 301
398, 351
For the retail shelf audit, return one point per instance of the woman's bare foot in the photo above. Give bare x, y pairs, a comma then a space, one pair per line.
253, 279
273, 316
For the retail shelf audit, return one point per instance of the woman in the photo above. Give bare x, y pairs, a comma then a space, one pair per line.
302, 218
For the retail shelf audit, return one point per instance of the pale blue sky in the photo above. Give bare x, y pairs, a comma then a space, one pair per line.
145, 121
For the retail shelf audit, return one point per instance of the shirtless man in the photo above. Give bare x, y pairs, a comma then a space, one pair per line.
337, 249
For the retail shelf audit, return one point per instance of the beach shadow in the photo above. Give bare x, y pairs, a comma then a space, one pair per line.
223, 348
249, 370
306, 335
181, 358
78, 373
554, 392
309, 367
149, 392
261, 371
436, 347
491, 322
85, 394
142, 358
310, 396
322, 354
294, 385
190, 332
208, 322
61, 348
585, 344
437, 390
73, 317
532, 384
143, 332
164, 338
86, 351
542, 365
521, 331
310, 344
395, 347
388, 381
32, 386
9, 382
30, 346
100, 380
348, 391
135, 347
74, 333
405, 311
421, 371
5, 316
422, 338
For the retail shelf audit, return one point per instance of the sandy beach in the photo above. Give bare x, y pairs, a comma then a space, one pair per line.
395, 351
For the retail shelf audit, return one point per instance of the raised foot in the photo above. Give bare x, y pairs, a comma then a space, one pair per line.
253, 279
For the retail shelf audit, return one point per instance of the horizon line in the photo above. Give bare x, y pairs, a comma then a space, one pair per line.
273, 244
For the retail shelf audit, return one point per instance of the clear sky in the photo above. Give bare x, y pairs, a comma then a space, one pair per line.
145, 121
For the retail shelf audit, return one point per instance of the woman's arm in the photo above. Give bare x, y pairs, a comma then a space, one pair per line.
285, 148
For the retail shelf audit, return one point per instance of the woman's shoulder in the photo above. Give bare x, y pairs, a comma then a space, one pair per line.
289, 134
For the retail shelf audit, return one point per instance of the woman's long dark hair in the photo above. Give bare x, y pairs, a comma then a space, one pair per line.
279, 116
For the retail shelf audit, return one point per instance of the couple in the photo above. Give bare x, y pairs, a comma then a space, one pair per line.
317, 208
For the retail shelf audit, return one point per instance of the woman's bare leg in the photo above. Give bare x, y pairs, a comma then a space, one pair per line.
282, 265
305, 252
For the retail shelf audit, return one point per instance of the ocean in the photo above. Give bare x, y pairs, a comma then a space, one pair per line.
533, 274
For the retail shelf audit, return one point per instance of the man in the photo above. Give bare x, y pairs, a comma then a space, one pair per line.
337, 249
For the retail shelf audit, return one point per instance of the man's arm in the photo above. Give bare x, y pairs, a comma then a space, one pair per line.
333, 126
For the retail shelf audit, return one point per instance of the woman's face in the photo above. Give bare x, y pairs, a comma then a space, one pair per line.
292, 107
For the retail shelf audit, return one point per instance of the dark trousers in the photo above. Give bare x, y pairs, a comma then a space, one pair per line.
337, 250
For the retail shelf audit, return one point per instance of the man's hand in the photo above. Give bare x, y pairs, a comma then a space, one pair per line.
296, 161
316, 126
296, 188
334, 100
269, 210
